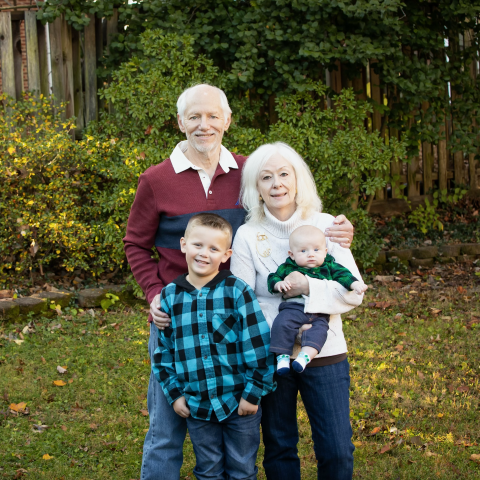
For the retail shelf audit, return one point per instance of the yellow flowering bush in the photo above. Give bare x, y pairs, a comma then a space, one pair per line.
48, 214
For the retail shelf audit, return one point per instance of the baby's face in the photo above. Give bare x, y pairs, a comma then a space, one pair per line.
308, 252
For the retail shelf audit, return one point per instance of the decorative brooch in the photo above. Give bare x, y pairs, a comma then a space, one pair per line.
263, 245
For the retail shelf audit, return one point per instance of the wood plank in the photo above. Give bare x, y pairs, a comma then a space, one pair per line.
412, 168
17, 59
376, 96
472, 167
56, 55
42, 57
90, 64
33, 59
459, 168
6, 54
442, 158
101, 37
68, 68
77, 80
427, 160
112, 27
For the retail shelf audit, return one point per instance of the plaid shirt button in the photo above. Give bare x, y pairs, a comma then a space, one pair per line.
200, 295
201, 315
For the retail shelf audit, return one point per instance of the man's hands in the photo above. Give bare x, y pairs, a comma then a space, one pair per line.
359, 287
181, 408
246, 408
160, 319
341, 232
283, 286
298, 285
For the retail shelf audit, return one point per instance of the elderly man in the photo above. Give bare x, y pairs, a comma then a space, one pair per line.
200, 176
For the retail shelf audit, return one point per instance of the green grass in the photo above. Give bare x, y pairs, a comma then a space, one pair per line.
410, 374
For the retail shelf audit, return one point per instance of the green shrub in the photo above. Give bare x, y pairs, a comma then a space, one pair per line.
73, 199
48, 216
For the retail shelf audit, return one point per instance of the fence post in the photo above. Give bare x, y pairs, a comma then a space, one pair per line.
442, 157
90, 63
33, 59
68, 68
42, 57
17, 58
6, 53
56, 55
376, 94
77, 80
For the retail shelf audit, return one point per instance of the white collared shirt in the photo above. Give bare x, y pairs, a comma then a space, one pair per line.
181, 163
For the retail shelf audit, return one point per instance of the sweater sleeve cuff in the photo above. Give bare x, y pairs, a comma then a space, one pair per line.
252, 394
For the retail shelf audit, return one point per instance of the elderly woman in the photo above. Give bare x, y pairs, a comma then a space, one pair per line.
279, 194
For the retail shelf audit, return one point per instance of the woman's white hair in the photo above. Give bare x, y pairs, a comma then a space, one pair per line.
307, 199
182, 101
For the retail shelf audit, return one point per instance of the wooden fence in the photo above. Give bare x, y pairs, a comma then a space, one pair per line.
60, 60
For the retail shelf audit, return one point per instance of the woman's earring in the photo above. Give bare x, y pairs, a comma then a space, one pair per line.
260, 198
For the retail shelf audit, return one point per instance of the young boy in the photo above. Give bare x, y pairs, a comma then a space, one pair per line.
307, 255
213, 362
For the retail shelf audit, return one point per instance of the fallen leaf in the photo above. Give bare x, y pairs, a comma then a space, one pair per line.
475, 457
463, 389
43, 360
19, 342
435, 311
19, 407
421, 375
440, 415
144, 413
148, 130
431, 454
402, 334
93, 426
386, 448
59, 383
375, 431
70, 381
64, 428
6, 293
357, 444
62, 370
399, 348
92, 390
413, 292
47, 457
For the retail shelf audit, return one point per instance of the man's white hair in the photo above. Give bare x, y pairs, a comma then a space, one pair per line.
183, 100
307, 199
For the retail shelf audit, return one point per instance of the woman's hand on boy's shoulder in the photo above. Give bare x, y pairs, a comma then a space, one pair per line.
160, 319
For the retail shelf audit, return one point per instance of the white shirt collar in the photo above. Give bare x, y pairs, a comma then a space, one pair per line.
181, 163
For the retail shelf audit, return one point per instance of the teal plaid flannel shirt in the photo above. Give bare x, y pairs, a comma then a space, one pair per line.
329, 270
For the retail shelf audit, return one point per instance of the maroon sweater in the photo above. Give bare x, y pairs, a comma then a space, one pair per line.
164, 203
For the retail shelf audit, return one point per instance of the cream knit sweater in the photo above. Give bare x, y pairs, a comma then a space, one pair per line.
258, 250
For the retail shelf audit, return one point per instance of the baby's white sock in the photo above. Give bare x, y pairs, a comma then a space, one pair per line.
301, 362
283, 364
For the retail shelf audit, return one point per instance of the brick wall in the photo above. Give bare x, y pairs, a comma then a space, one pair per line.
22, 43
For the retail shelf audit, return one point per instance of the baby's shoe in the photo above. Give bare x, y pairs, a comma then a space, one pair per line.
283, 364
301, 362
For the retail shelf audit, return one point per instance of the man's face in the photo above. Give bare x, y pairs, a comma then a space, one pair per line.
204, 121
205, 249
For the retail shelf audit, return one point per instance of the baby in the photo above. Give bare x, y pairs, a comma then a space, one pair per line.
307, 255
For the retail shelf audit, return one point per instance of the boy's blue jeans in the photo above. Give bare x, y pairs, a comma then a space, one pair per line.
163, 446
226, 450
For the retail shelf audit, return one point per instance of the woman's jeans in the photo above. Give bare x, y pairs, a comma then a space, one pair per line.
325, 394
227, 449
163, 446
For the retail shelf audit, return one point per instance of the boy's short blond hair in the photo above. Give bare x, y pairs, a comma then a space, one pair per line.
210, 220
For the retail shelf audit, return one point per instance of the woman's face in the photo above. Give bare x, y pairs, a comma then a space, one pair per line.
277, 185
